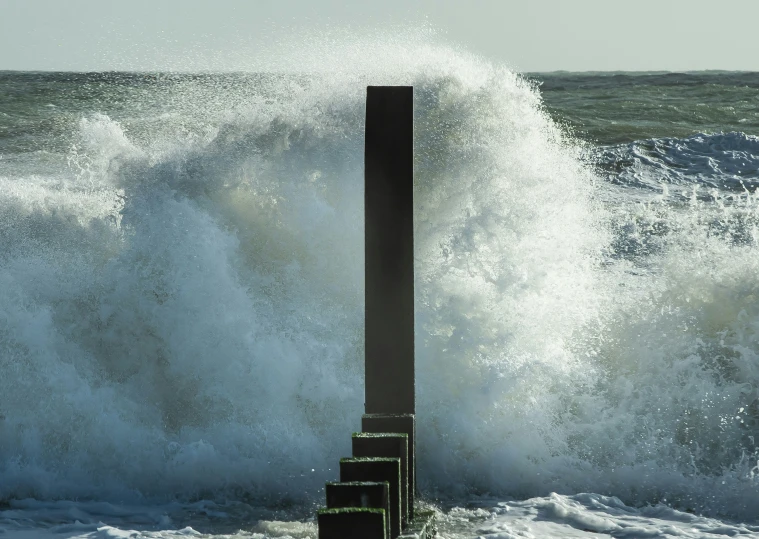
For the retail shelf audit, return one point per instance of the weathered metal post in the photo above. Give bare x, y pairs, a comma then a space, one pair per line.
389, 236
389, 268
384, 454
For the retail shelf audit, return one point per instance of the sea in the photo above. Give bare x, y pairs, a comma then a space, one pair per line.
181, 298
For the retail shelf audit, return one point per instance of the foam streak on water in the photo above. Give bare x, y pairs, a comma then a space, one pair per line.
181, 297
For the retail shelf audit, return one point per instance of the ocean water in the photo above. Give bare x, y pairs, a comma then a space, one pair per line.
181, 298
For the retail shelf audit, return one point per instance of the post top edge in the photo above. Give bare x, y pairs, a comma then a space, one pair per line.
390, 86
387, 416
340, 510
380, 435
359, 483
369, 459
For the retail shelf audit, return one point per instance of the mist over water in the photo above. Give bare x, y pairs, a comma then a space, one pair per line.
181, 291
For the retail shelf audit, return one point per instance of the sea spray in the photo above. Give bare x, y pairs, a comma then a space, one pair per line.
181, 310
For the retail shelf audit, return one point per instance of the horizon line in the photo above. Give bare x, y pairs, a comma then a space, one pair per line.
230, 72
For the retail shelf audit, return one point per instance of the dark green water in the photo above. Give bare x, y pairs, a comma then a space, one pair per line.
40, 110
618, 107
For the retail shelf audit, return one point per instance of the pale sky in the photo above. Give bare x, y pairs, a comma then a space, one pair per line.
528, 35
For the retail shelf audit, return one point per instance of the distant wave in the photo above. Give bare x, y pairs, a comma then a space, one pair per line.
722, 160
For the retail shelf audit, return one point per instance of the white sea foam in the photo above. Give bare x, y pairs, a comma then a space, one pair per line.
552, 516
580, 515
181, 310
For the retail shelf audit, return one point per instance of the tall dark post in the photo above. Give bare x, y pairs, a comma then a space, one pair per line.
380, 479
389, 236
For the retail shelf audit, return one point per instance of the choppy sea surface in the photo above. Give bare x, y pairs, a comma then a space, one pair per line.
181, 299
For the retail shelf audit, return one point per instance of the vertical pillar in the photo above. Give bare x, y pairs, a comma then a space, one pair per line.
389, 236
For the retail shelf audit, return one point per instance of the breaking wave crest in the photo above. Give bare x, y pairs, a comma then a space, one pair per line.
181, 308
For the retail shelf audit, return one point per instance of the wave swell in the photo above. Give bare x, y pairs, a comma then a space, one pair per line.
181, 308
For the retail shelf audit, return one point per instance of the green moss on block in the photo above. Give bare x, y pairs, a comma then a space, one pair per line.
385, 422
370, 459
387, 445
352, 523
382, 416
375, 494
380, 435
378, 469
357, 483
352, 510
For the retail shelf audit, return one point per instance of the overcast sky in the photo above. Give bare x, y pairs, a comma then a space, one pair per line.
529, 35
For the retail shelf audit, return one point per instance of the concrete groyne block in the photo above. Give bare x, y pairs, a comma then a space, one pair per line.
352, 523
378, 423
378, 469
390, 445
365, 494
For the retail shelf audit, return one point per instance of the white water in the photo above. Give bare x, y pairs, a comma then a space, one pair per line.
181, 307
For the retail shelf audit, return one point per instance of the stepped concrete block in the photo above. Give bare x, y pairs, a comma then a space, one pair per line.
377, 423
352, 523
391, 445
360, 494
378, 469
